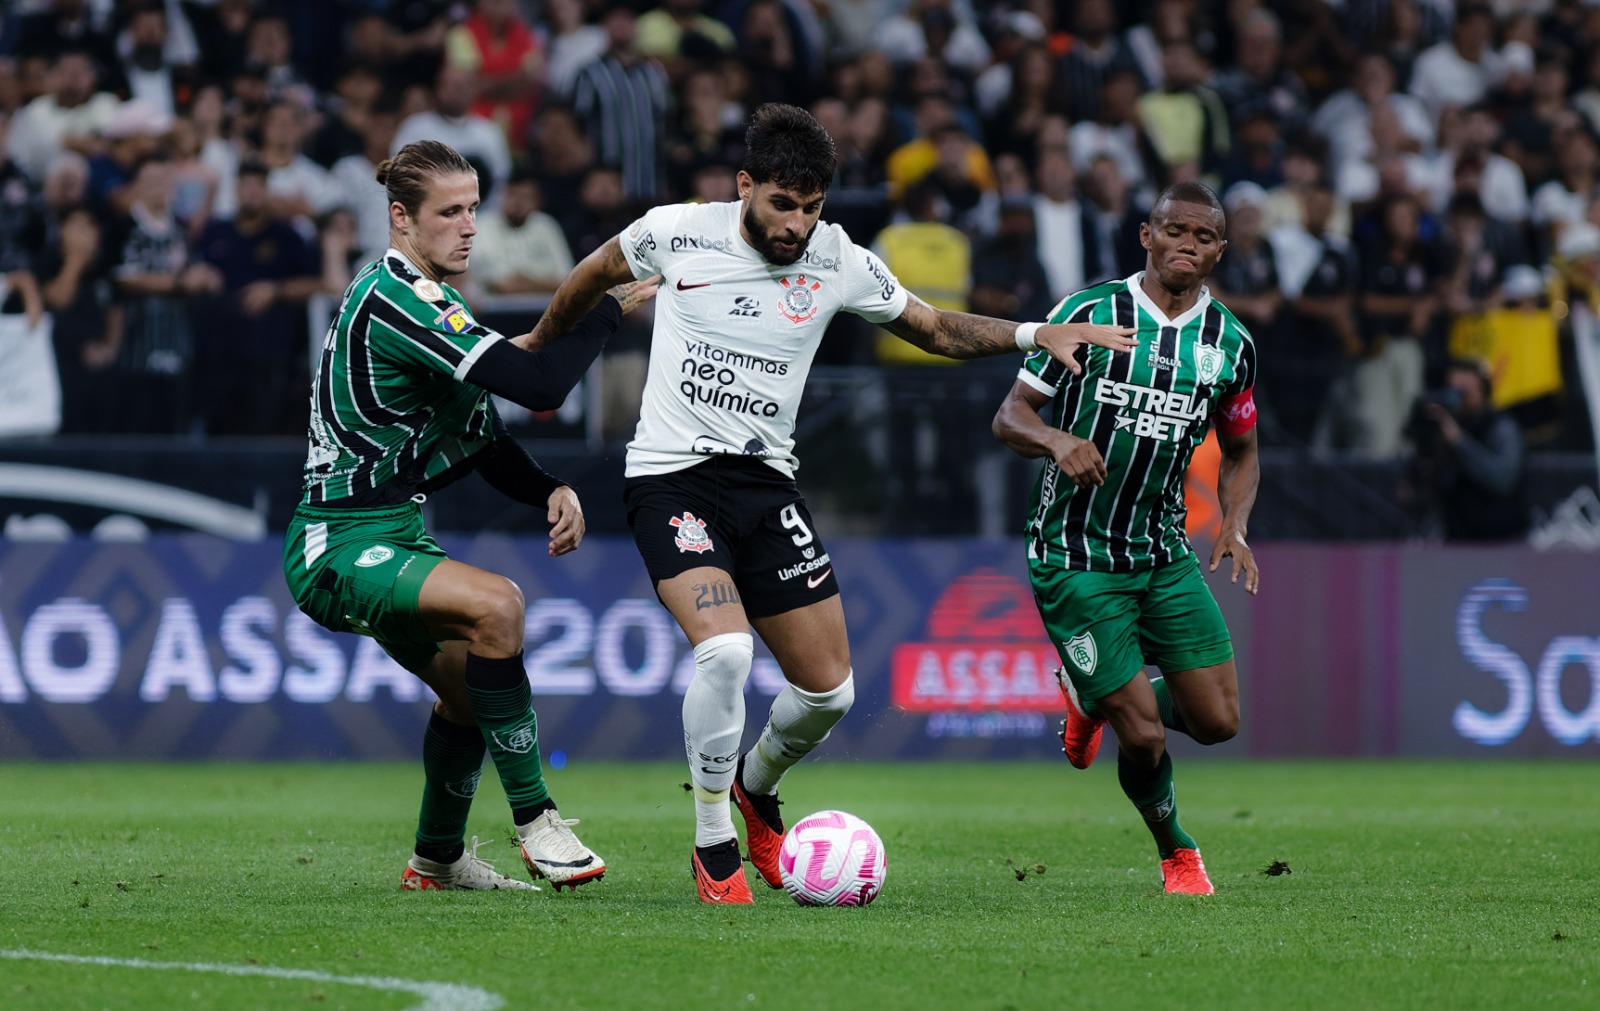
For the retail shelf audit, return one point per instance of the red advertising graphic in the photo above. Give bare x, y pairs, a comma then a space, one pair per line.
987, 650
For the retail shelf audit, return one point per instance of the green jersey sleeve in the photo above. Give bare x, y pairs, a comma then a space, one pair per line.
1091, 305
420, 323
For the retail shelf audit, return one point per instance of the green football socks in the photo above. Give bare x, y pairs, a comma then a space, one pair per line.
503, 707
1152, 793
452, 760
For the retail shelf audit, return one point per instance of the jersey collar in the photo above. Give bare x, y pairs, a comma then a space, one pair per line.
1145, 303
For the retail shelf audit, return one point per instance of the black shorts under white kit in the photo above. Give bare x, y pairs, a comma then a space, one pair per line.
735, 514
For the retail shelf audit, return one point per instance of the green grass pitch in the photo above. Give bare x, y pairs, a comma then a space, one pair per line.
1411, 885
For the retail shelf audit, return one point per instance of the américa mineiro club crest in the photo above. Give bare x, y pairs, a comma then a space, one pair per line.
799, 301
691, 535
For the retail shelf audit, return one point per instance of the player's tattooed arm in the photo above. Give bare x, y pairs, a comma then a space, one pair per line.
1238, 479
965, 335
604, 271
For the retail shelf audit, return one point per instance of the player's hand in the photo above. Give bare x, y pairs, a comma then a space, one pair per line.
632, 295
1063, 340
566, 521
1231, 543
1080, 460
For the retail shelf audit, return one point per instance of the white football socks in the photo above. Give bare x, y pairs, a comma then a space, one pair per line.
800, 720
713, 722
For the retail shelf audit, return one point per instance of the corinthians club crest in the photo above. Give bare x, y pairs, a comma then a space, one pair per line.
799, 299
691, 534
1208, 363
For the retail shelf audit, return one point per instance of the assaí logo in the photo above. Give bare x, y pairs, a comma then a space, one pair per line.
1526, 691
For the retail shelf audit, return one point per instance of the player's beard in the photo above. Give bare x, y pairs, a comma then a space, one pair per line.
762, 240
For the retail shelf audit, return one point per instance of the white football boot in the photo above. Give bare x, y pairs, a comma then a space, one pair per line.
469, 871
551, 851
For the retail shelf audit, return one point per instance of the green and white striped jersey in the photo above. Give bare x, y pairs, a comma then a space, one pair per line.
389, 407
1145, 411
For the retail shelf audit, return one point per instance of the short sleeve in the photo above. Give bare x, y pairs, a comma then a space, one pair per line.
870, 290
426, 325
644, 241
1043, 372
1244, 367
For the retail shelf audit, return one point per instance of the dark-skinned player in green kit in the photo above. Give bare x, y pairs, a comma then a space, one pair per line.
1117, 583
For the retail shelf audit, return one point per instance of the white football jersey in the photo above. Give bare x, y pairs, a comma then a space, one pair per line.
735, 334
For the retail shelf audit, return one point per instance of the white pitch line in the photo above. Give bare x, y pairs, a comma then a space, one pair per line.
435, 996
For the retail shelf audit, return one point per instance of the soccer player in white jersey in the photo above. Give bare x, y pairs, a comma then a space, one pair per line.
748, 288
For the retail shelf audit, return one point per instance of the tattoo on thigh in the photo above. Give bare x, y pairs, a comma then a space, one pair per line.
714, 594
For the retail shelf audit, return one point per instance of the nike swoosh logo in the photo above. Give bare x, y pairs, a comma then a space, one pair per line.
686, 287
812, 582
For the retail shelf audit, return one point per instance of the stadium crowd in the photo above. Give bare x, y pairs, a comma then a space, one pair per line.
1408, 183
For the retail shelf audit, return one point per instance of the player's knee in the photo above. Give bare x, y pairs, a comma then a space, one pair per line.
1215, 728
1143, 742
499, 619
723, 661
832, 704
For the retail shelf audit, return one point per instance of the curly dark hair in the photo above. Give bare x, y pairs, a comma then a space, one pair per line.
787, 146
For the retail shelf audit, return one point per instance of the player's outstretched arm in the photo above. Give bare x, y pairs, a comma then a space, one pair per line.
1237, 481
1018, 425
605, 268
965, 335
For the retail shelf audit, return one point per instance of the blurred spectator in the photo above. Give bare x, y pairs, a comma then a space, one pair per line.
415, 38
1468, 163
858, 200
969, 205
1460, 70
1345, 119
1096, 50
1532, 118
70, 117
221, 30
1389, 166
1017, 34
1185, 120
135, 132
1565, 199
64, 26
933, 28
1246, 278
66, 186
1111, 220
776, 53
453, 122
1013, 118
341, 131
1400, 272
1475, 254
570, 44
1260, 81
1469, 460
602, 210
680, 34
932, 259
1058, 217
195, 182
22, 237
87, 323
934, 116
1008, 281
269, 49
1257, 155
250, 365
154, 280
1320, 337
1168, 21
1115, 133
623, 99
217, 153
562, 156
519, 249
1405, 33
501, 48
706, 129
355, 184
150, 77
299, 187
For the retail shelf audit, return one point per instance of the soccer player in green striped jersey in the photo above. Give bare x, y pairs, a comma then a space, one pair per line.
1114, 575
400, 407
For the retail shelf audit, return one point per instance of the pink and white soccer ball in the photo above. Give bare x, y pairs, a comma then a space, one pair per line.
832, 859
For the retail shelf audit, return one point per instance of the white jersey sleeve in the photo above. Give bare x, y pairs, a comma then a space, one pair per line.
644, 241
870, 290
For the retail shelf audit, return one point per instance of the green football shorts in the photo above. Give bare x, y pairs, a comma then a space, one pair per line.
361, 570
1108, 625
